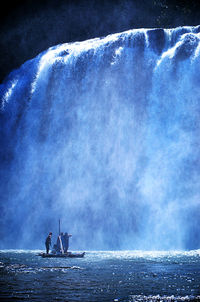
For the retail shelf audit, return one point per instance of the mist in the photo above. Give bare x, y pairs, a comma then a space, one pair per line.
104, 135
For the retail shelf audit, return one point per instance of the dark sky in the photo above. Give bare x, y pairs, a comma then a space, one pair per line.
31, 26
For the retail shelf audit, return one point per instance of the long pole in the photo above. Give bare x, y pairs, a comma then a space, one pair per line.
61, 246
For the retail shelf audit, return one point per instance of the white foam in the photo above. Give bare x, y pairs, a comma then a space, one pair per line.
8, 93
154, 298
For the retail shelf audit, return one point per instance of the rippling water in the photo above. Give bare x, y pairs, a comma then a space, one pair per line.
101, 276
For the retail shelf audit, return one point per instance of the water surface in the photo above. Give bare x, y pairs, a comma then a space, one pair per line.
101, 276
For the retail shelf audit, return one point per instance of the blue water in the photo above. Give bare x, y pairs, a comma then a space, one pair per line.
101, 276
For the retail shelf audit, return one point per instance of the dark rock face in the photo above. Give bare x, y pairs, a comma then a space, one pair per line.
29, 27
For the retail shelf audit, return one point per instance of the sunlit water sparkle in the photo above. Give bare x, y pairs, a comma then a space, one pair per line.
101, 276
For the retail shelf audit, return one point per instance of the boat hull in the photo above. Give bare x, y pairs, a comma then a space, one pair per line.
67, 255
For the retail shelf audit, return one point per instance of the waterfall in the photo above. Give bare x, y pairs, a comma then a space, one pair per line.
104, 135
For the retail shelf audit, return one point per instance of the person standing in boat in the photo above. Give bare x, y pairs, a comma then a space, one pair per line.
65, 241
48, 242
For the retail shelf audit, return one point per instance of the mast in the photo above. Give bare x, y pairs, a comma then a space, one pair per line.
61, 245
59, 226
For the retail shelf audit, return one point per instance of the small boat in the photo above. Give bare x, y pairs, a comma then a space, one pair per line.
66, 255
60, 250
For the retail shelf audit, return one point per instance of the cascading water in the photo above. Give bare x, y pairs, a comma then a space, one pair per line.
104, 134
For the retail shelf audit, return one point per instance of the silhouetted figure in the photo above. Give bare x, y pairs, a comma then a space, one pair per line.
48, 242
65, 241
62, 244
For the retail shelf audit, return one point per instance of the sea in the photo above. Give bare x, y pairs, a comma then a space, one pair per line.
101, 276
